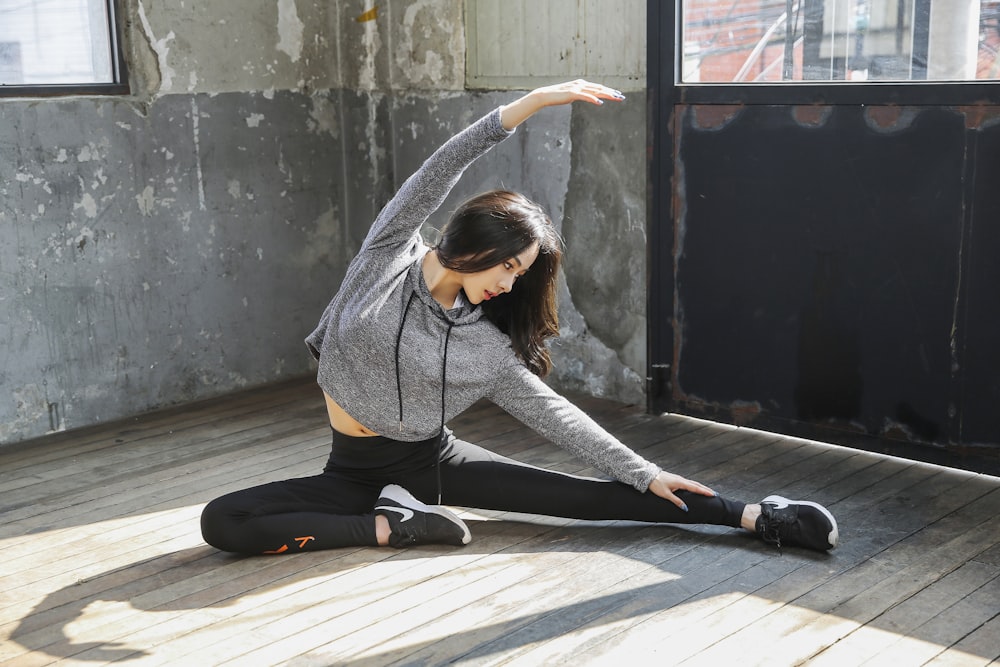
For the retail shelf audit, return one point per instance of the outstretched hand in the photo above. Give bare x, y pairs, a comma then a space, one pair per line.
520, 110
666, 483
574, 91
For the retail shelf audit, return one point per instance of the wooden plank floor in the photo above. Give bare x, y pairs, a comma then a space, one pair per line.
102, 559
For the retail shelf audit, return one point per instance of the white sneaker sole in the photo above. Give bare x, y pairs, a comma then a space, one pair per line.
834, 535
405, 498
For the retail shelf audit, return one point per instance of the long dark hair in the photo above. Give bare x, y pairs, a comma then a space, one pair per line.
489, 229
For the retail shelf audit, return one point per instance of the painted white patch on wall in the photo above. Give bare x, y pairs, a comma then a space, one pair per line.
88, 205
427, 67
146, 200
371, 42
254, 119
31, 407
289, 30
197, 153
160, 49
324, 238
323, 116
234, 189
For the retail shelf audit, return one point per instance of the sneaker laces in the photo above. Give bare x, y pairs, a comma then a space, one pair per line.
405, 536
773, 527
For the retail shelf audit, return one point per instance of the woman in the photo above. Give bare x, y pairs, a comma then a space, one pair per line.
416, 335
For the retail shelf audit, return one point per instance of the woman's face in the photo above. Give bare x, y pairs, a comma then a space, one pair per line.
491, 283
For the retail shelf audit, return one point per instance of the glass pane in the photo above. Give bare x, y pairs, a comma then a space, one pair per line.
49, 42
746, 41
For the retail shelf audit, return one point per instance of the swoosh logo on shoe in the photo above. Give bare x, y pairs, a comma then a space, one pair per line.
407, 514
778, 505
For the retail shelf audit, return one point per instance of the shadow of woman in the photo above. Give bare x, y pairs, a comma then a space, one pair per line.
91, 619
196, 578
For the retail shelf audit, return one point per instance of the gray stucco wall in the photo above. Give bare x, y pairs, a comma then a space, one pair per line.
159, 258
180, 243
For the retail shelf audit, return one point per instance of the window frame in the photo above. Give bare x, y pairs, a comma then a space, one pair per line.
119, 70
909, 93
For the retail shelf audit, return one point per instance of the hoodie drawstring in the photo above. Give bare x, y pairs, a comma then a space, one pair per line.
399, 337
444, 379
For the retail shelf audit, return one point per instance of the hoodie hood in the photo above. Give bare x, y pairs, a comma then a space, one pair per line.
463, 313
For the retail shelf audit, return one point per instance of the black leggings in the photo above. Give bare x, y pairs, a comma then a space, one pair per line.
334, 509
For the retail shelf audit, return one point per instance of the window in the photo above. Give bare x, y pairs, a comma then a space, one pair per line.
781, 41
59, 46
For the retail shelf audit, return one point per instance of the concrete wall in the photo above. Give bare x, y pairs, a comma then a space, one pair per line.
180, 243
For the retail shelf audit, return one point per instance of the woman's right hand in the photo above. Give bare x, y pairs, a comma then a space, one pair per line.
515, 113
666, 483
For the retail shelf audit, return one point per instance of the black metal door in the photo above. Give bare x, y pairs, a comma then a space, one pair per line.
825, 261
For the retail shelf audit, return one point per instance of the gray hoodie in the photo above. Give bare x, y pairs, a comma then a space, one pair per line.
402, 365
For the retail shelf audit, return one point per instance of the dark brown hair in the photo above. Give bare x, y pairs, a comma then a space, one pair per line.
488, 230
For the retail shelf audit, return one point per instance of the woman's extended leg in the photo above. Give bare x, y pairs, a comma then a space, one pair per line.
472, 476
475, 477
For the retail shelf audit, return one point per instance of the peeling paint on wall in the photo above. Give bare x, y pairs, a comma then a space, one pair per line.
289, 30
210, 49
159, 48
146, 200
197, 154
325, 243
428, 61
31, 409
88, 205
323, 116
371, 44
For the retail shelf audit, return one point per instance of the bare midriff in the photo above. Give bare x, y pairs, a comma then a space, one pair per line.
343, 422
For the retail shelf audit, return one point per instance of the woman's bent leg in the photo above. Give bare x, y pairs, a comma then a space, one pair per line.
304, 514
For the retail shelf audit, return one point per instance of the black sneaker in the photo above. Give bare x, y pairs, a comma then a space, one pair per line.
412, 522
796, 523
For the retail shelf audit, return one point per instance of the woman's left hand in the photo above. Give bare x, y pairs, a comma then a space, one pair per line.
515, 113
666, 483
574, 91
